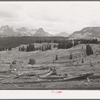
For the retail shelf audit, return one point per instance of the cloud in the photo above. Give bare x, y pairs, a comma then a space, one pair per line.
52, 16
5, 15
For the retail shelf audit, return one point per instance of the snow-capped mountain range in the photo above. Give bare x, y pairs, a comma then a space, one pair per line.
6, 31
87, 32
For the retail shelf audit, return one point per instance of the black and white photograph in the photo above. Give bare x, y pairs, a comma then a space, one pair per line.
49, 45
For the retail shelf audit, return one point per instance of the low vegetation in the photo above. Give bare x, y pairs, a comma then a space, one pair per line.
66, 57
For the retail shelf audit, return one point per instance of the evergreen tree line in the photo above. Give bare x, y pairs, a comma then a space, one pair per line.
3, 49
86, 41
63, 43
70, 43
31, 47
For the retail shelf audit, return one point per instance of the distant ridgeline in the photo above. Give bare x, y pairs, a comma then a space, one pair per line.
63, 42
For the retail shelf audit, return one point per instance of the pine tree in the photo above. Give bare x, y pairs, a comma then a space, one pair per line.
42, 48
56, 57
82, 61
22, 49
59, 46
71, 56
8, 49
91, 63
30, 47
19, 49
89, 50
49, 47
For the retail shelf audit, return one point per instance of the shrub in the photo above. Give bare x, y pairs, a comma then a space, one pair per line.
31, 61
14, 62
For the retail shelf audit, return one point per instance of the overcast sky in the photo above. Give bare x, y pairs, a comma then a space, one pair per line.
54, 17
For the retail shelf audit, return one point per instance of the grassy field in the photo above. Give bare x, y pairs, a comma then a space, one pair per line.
46, 59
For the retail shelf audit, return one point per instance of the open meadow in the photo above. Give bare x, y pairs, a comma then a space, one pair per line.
79, 64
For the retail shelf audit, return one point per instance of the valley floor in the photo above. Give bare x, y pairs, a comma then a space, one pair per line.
64, 65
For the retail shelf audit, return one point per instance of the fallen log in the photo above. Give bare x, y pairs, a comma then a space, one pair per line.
76, 78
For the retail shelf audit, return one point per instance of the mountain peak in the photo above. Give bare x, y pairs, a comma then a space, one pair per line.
41, 32
4, 27
87, 32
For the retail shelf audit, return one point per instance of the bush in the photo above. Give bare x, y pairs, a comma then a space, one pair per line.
31, 61
14, 62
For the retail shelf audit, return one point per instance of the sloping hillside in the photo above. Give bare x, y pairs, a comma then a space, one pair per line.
64, 65
88, 32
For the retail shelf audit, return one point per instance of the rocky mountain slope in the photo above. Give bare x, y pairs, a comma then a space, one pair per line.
88, 32
40, 32
6, 31
63, 34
